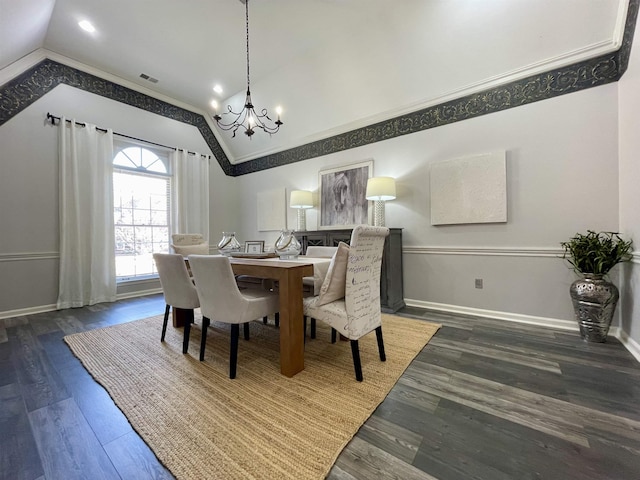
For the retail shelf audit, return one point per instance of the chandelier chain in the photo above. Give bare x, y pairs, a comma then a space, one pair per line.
246, 4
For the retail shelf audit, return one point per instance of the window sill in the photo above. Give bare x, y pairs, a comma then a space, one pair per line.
134, 280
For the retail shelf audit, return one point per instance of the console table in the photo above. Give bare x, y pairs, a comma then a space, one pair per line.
391, 288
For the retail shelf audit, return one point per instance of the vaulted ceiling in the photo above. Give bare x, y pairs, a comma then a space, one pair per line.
332, 65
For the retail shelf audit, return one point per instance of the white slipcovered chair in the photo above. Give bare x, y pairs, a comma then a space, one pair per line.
178, 290
349, 300
221, 300
309, 284
319, 251
189, 244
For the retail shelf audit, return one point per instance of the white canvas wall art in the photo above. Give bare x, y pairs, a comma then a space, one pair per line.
272, 210
469, 190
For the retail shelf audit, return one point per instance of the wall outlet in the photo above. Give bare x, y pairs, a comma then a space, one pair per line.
478, 283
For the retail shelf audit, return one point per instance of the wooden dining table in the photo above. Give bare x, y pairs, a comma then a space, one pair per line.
289, 275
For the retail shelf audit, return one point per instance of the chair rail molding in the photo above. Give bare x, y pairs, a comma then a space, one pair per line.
486, 251
26, 256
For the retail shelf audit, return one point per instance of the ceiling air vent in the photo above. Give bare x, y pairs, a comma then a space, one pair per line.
147, 77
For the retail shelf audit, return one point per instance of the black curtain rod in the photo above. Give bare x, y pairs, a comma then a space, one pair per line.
53, 119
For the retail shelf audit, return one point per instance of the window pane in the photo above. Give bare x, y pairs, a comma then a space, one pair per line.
141, 216
140, 158
128, 157
158, 217
159, 202
126, 265
124, 240
123, 216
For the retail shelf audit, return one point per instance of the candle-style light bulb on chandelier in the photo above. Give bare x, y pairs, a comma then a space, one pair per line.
247, 118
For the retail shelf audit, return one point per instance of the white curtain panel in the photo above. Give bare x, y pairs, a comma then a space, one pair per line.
87, 245
191, 193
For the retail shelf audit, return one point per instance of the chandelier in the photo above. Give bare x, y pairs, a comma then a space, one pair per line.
248, 118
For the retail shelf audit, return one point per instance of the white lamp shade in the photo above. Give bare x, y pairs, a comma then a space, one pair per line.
301, 199
381, 188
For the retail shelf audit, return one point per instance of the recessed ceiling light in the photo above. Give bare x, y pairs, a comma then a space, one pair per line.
217, 89
214, 104
87, 26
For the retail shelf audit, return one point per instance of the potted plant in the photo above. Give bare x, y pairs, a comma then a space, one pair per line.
593, 255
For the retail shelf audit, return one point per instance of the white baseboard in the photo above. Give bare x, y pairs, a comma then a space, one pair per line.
629, 343
50, 308
508, 316
27, 311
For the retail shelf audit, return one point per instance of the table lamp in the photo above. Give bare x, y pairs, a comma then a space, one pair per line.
301, 200
380, 189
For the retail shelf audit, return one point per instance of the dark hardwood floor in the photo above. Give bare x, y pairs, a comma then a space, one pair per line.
485, 399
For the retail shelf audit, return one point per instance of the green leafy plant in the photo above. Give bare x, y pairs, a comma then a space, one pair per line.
596, 253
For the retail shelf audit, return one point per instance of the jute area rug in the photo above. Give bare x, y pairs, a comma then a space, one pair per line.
262, 425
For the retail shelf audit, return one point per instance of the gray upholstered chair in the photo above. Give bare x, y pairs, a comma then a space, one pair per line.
309, 284
221, 300
189, 244
178, 290
349, 300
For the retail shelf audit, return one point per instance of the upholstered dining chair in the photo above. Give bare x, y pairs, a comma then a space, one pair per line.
349, 299
189, 243
178, 290
221, 300
315, 251
320, 251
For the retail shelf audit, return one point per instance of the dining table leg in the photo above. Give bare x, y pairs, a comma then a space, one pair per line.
291, 323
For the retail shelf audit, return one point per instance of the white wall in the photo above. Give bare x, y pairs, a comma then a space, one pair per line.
559, 152
29, 186
629, 114
562, 177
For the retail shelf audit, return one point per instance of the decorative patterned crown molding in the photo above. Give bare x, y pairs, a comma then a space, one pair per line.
23, 90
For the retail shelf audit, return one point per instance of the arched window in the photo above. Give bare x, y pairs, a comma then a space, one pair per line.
142, 208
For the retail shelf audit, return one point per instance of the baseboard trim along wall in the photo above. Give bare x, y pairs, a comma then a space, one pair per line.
498, 315
20, 312
629, 343
50, 308
632, 346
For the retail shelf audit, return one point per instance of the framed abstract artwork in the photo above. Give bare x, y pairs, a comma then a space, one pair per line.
342, 196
